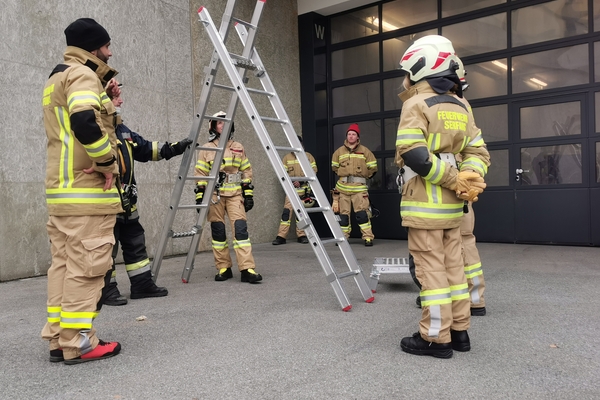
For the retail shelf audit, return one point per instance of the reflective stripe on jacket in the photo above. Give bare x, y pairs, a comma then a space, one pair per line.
442, 124
74, 88
357, 161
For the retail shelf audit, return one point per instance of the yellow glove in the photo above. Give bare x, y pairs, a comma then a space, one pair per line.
469, 185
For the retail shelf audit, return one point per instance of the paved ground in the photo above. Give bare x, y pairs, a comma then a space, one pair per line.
287, 338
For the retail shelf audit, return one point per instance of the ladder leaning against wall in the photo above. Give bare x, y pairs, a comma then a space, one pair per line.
237, 67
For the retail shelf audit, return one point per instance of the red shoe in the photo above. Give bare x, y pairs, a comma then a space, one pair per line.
102, 351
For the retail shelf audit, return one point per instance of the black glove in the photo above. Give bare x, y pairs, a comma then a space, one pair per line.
248, 193
199, 190
170, 150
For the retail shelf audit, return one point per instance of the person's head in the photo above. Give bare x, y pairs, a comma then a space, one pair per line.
431, 56
353, 134
215, 127
90, 36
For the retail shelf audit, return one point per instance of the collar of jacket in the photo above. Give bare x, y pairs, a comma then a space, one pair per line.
352, 148
77, 55
419, 87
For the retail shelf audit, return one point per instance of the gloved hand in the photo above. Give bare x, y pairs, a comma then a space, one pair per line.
169, 150
469, 185
199, 190
248, 193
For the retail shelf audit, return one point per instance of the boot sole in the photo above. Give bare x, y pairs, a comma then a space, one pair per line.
56, 359
436, 354
253, 280
146, 295
74, 361
461, 347
115, 303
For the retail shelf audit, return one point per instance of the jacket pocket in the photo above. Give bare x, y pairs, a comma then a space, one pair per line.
99, 255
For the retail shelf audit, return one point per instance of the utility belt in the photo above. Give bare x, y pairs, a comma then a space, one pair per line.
407, 173
233, 178
353, 179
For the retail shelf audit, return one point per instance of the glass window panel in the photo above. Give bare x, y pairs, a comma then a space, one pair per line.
356, 99
354, 25
498, 171
493, 122
562, 119
597, 162
391, 89
596, 15
596, 61
478, 36
390, 131
320, 68
551, 165
355, 61
487, 79
402, 13
547, 21
454, 7
550, 69
597, 109
370, 134
393, 49
321, 104
391, 172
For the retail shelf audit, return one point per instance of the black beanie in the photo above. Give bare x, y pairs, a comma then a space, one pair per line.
86, 34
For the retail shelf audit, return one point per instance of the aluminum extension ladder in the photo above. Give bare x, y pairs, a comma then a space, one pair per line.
236, 67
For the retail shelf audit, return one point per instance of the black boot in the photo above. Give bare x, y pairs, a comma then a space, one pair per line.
251, 276
415, 344
112, 296
143, 286
224, 274
460, 340
302, 239
478, 312
278, 240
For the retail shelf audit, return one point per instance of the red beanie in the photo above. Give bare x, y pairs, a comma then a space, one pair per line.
355, 128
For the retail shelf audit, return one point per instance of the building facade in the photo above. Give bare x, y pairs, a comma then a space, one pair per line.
534, 72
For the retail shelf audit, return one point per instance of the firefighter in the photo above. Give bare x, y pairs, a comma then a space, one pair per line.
293, 168
354, 164
128, 229
81, 195
472, 261
435, 126
234, 196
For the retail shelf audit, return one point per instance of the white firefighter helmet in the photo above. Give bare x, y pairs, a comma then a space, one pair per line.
212, 127
428, 57
462, 74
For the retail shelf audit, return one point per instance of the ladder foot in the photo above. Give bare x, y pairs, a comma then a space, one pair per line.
347, 308
373, 291
370, 299
184, 280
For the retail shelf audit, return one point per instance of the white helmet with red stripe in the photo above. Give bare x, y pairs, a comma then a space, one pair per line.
428, 57
462, 74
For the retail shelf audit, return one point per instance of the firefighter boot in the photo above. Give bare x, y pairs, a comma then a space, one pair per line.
143, 286
278, 240
478, 312
368, 242
460, 340
415, 344
112, 296
224, 274
56, 355
302, 239
251, 276
100, 352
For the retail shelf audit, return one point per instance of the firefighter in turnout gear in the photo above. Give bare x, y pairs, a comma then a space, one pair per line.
472, 261
434, 127
354, 164
128, 230
293, 168
81, 195
234, 196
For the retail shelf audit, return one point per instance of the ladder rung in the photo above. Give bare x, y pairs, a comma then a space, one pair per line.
317, 209
213, 118
224, 87
206, 148
200, 178
288, 149
347, 274
177, 235
269, 119
193, 206
257, 91
333, 240
248, 24
302, 178
242, 62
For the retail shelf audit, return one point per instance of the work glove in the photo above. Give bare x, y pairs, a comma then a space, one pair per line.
199, 190
335, 201
469, 185
248, 194
169, 150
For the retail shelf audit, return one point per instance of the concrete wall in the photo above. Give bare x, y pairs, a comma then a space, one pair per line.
160, 50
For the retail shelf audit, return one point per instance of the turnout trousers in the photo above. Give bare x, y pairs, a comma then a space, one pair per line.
444, 292
472, 262
360, 202
286, 219
81, 250
234, 208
